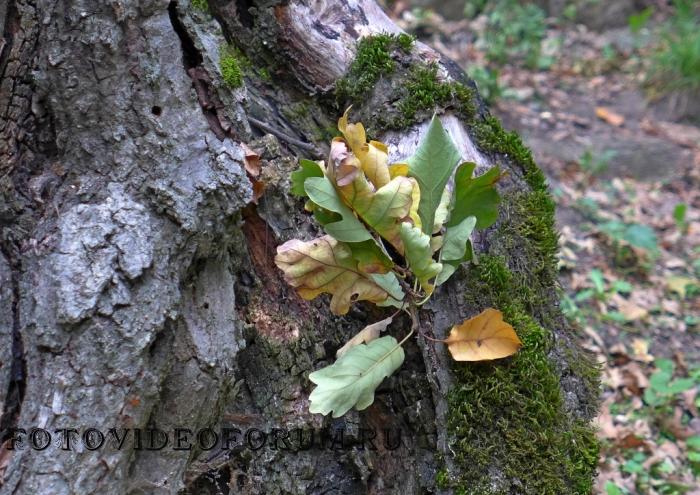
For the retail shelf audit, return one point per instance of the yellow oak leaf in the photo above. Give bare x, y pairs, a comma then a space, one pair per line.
373, 156
397, 169
327, 265
483, 337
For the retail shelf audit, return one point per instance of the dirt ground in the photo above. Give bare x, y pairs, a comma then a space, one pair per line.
625, 173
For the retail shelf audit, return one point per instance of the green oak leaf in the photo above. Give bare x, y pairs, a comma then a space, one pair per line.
419, 255
321, 191
353, 378
443, 210
307, 169
455, 248
371, 258
389, 283
475, 196
432, 165
454, 244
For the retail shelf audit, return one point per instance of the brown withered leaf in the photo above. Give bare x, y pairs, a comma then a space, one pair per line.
251, 161
344, 166
365, 336
483, 337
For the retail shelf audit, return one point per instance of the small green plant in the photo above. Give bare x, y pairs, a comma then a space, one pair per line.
693, 444
486, 80
676, 62
679, 213
593, 164
570, 11
663, 388
638, 21
637, 235
514, 33
394, 233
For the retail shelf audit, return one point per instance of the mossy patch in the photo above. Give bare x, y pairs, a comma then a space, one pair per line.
202, 5
424, 92
372, 60
414, 88
230, 67
506, 414
492, 138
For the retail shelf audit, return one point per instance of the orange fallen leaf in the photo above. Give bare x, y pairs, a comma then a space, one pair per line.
258, 190
483, 337
609, 116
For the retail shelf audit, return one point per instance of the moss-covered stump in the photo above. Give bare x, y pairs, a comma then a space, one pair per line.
521, 425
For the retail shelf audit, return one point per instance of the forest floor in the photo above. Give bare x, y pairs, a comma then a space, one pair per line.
625, 174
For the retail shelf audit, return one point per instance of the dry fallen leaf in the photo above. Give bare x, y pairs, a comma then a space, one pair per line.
366, 335
628, 309
640, 351
634, 378
678, 285
251, 161
609, 116
483, 337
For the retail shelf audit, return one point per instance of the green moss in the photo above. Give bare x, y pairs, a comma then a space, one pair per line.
442, 479
424, 92
416, 91
231, 68
264, 74
535, 234
372, 60
202, 5
491, 137
503, 415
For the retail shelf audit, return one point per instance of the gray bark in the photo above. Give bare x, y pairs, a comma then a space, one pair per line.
137, 286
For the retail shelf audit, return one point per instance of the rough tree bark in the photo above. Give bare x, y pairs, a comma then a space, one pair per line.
137, 286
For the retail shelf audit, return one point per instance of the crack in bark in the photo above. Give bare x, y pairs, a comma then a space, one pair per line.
18, 369
201, 81
8, 31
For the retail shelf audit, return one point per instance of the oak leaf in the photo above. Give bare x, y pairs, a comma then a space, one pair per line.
353, 378
483, 337
386, 208
326, 265
432, 165
365, 336
418, 254
454, 248
306, 169
373, 157
349, 228
475, 196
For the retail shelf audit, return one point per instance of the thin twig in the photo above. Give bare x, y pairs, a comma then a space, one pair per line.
281, 135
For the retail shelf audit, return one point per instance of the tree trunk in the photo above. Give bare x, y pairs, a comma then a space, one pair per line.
137, 283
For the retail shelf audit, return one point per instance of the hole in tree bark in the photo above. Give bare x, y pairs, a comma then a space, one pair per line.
156, 110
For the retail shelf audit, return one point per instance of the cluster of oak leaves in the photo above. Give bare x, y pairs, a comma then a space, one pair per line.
394, 233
